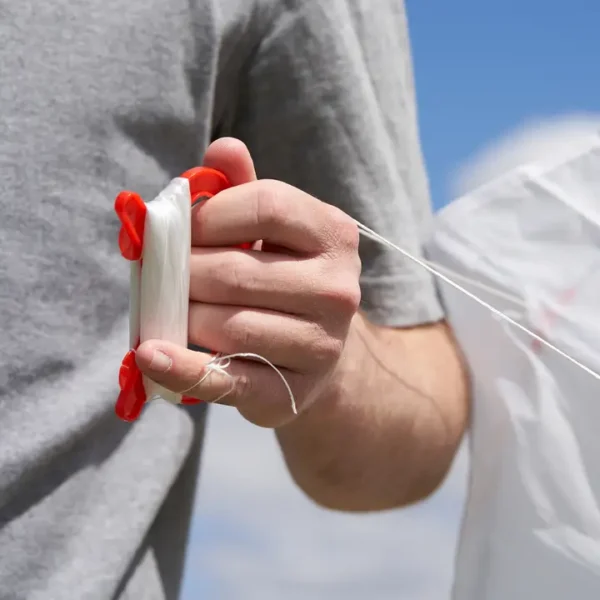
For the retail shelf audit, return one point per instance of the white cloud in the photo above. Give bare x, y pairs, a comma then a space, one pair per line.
256, 536
532, 140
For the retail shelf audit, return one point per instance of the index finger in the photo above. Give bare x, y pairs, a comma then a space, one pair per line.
232, 158
271, 211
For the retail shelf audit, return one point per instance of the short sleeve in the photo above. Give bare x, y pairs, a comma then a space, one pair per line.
327, 104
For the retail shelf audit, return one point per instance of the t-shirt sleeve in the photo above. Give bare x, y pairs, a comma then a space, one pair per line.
327, 104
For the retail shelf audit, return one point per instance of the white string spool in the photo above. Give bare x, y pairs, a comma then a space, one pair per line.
160, 290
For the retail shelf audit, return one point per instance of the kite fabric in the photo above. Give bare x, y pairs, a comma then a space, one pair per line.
528, 241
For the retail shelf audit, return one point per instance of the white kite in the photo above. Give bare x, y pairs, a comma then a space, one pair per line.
526, 240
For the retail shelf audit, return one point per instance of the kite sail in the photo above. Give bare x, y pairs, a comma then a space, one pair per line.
524, 236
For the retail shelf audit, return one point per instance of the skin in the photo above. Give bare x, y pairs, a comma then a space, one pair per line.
381, 410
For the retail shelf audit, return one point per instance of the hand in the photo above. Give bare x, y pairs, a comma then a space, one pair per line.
291, 299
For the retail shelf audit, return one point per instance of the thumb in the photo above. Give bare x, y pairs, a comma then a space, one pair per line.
232, 158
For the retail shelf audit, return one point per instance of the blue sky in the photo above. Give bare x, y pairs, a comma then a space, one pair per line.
481, 69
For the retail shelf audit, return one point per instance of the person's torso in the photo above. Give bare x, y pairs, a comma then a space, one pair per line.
95, 97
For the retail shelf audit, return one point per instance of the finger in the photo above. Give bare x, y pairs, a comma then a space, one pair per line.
232, 158
290, 342
276, 213
266, 280
257, 390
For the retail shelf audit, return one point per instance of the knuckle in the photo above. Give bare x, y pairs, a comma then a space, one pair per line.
238, 332
353, 296
343, 295
327, 350
349, 235
213, 272
242, 387
237, 275
357, 265
344, 231
228, 274
270, 204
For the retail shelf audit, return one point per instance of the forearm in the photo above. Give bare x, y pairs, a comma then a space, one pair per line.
385, 432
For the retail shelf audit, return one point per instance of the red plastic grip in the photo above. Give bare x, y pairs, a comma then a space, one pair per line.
133, 395
205, 182
130, 208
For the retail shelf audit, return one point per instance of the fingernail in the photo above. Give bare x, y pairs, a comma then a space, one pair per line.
160, 362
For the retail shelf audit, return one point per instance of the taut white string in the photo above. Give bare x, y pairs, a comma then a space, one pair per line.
448, 272
364, 230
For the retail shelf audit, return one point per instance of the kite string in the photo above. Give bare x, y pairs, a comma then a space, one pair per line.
219, 363
369, 233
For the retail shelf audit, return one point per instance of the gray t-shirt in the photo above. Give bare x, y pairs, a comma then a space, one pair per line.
96, 97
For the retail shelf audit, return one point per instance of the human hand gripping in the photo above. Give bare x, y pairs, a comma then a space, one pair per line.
290, 299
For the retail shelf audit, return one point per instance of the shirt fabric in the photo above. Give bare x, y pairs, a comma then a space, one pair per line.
97, 97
